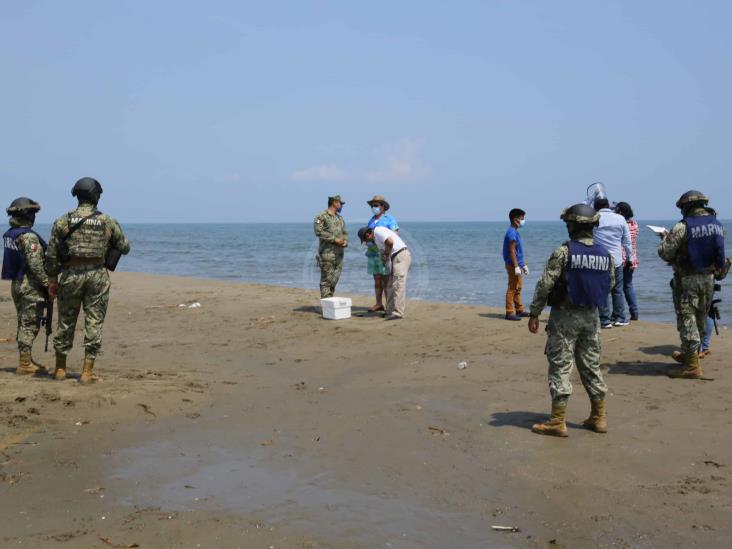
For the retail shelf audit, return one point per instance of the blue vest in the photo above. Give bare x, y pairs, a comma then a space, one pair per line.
705, 242
588, 274
13, 258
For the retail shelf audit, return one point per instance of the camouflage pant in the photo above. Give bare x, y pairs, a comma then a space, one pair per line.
87, 288
692, 298
28, 300
330, 272
573, 337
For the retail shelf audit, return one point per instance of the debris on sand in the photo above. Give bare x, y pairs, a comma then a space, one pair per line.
510, 529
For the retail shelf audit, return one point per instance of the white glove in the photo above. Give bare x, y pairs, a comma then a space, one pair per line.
526, 270
517, 271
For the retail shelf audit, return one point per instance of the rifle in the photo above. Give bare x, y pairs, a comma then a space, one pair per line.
45, 318
714, 310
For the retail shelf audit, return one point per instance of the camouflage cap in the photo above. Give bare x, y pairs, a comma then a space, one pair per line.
580, 213
22, 205
691, 196
336, 198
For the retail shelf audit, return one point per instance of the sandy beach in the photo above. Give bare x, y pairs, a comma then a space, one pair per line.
251, 422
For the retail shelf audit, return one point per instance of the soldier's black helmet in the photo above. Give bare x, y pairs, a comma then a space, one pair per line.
691, 196
87, 187
23, 206
580, 213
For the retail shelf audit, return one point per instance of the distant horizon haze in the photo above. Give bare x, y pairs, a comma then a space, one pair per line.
248, 111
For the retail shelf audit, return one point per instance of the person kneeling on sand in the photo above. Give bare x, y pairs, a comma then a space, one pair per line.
576, 281
393, 250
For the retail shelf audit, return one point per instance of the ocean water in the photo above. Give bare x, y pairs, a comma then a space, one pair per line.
452, 262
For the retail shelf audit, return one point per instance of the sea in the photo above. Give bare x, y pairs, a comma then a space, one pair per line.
452, 262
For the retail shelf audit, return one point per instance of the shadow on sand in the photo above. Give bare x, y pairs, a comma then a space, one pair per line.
665, 350
499, 316
523, 419
639, 368
355, 310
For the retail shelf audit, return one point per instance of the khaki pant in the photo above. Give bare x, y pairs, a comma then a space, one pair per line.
513, 293
396, 289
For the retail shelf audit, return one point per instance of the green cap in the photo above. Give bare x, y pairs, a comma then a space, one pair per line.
336, 198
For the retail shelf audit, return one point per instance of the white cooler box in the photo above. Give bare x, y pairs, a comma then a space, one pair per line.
336, 308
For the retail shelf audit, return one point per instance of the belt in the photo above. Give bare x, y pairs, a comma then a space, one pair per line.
397, 253
84, 263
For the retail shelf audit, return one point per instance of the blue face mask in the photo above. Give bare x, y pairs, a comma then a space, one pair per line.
376, 210
339, 210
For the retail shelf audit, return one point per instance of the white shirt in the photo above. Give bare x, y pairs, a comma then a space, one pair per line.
381, 234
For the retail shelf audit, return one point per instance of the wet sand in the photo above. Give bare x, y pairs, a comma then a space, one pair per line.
252, 422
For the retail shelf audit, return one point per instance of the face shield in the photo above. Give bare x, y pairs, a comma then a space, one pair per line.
594, 192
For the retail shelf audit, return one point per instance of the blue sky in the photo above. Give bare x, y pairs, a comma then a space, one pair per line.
257, 111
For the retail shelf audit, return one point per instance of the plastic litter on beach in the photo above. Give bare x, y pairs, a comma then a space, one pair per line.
511, 529
195, 305
462, 365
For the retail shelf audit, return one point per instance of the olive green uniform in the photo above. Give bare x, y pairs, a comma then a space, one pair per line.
329, 227
692, 291
83, 279
573, 333
29, 293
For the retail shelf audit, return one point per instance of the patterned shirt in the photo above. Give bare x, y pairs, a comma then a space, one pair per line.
633, 228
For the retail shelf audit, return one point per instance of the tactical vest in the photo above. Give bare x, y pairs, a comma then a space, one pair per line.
705, 242
90, 239
13, 258
588, 274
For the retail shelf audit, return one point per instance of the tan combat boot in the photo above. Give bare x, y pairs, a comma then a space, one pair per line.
555, 425
87, 376
597, 421
679, 357
26, 366
692, 368
60, 372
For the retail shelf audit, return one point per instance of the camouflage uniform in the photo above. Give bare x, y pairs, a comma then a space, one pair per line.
573, 333
29, 293
328, 228
84, 280
692, 291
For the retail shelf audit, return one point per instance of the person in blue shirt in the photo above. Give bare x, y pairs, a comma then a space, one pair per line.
513, 257
379, 207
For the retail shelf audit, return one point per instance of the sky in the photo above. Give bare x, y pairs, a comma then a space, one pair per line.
234, 111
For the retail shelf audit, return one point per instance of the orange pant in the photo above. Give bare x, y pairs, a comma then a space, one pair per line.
513, 293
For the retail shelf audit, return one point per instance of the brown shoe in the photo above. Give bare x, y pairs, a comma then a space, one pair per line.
691, 370
704, 354
59, 374
597, 421
555, 426
87, 376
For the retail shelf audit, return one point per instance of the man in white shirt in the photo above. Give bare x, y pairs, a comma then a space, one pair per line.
613, 234
396, 255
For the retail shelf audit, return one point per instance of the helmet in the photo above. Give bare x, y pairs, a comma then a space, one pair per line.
691, 196
580, 213
86, 187
23, 206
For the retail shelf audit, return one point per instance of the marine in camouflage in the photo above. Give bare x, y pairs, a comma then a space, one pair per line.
83, 280
572, 332
29, 293
692, 291
329, 227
